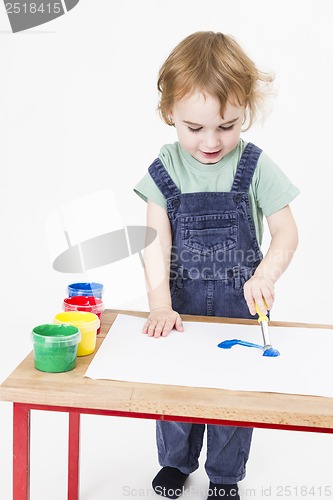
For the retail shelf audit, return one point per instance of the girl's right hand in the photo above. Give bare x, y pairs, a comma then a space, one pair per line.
161, 321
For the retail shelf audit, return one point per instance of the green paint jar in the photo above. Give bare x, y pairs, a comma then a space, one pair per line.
55, 347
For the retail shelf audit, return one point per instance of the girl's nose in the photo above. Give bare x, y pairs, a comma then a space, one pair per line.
212, 141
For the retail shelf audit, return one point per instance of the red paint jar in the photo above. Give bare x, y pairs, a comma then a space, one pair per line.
85, 303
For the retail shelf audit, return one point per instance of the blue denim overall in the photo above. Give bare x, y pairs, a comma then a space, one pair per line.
214, 252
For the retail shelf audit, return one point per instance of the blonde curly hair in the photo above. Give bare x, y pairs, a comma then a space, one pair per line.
212, 63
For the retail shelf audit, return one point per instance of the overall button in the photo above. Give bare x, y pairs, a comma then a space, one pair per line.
238, 198
175, 203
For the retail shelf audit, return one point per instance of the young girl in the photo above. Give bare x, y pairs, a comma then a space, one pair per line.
206, 196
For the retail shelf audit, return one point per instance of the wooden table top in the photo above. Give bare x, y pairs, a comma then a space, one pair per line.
72, 389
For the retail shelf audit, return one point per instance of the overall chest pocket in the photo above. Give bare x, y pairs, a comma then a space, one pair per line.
208, 234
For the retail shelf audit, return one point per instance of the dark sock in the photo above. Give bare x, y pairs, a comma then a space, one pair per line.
169, 482
223, 491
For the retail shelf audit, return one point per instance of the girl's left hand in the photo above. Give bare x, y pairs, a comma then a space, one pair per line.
259, 289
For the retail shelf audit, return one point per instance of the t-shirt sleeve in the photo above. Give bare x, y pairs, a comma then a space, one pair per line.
273, 188
147, 189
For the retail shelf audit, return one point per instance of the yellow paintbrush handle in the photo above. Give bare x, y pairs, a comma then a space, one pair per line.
262, 317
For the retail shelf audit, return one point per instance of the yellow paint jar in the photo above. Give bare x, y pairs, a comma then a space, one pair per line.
88, 324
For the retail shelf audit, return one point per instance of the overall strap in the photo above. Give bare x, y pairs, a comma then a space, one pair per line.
163, 180
246, 168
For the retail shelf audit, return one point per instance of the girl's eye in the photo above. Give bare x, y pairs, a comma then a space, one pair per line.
194, 129
227, 128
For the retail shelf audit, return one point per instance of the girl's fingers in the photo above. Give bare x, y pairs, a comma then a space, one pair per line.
162, 325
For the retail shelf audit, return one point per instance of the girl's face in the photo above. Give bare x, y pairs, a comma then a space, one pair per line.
201, 130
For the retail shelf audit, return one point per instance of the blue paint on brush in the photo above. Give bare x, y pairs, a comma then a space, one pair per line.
270, 352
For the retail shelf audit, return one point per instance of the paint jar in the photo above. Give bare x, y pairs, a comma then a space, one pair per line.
87, 323
86, 289
87, 304
55, 347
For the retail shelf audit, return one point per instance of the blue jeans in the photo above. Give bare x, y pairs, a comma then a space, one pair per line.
179, 445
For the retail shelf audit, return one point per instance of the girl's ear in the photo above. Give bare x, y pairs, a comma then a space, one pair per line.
170, 118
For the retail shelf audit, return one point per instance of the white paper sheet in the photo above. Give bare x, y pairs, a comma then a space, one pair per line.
192, 358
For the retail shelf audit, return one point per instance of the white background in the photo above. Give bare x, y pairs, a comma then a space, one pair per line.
78, 119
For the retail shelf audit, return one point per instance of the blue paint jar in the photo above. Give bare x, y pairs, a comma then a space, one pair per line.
86, 289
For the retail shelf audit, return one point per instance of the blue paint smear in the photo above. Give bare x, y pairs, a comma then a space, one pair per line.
227, 344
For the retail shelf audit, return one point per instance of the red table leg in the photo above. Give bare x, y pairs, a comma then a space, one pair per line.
21, 452
73, 456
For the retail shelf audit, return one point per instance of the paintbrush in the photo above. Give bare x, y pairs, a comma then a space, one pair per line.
263, 321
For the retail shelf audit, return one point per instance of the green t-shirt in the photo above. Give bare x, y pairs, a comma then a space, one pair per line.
270, 189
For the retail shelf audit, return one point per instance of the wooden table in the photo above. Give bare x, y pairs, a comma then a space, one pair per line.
70, 392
